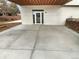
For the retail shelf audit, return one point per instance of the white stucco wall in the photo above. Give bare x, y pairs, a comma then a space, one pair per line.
53, 15
73, 2
67, 12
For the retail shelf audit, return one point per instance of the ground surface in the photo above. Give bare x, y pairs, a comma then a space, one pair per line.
39, 42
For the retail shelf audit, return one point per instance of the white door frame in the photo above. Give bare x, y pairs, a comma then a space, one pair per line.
34, 12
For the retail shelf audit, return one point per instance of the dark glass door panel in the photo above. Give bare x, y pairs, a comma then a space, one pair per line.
37, 17
42, 18
34, 19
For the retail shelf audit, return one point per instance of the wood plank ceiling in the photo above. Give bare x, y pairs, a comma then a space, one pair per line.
40, 2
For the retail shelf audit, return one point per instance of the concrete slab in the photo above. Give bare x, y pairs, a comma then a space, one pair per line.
55, 55
27, 27
15, 54
57, 39
5, 41
39, 42
25, 41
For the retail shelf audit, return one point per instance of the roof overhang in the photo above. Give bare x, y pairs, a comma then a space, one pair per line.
40, 2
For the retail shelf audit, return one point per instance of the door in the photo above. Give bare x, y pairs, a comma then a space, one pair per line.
38, 18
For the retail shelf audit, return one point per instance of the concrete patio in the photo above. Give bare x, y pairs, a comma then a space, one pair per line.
39, 42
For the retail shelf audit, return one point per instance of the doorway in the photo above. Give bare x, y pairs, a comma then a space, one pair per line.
38, 17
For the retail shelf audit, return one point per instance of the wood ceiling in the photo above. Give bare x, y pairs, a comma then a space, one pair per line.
40, 2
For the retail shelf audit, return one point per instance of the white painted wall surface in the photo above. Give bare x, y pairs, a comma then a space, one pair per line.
67, 12
73, 2
53, 15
